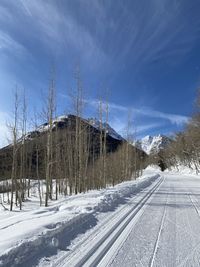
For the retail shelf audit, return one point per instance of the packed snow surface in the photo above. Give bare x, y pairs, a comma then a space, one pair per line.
153, 221
24, 234
167, 233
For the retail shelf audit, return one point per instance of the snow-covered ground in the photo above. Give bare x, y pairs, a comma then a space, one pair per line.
185, 170
167, 233
153, 221
38, 231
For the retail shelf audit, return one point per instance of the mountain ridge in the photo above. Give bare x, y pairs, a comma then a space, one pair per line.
153, 144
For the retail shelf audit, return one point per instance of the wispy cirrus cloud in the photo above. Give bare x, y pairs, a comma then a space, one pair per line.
157, 30
142, 120
55, 26
145, 111
173, 118
8, 44
116, 41
142, 38
79, 29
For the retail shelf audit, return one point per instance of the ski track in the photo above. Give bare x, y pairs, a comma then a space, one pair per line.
157, 227
140, 246
105, 238
176, 221
57, 237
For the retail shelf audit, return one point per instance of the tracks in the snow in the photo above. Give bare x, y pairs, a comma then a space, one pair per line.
151, 263
100, 245
196, 248
194, 205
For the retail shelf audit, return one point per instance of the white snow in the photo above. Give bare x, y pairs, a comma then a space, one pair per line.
24, 234
153, 221
152, 144
97, 124
185, 170
167, 234
92, 121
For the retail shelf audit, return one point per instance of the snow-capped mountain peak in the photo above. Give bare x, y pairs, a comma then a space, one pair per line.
105, 126
61, 122
153, 144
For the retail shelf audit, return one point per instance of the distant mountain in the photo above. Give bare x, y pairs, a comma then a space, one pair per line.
62, 122
63, 130
153, 144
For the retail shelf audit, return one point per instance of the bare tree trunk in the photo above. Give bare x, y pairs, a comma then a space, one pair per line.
14, 131
101, 142
22, 152
37, 173
50, 110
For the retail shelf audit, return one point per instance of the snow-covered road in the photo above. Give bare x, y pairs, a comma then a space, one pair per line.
160, 228
153, 221
167, 233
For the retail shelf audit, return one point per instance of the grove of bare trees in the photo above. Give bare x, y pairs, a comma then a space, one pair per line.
65, 155
185, 146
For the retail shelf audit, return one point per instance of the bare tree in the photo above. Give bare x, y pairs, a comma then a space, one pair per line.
22, 178
49, 113
14, 132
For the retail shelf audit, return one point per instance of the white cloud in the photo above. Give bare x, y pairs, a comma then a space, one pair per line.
145, 111
156, 30
26, 8
4, 131
152, 33
60, 31
140, 118
173, 118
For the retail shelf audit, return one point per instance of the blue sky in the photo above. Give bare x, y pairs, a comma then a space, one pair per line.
145, 53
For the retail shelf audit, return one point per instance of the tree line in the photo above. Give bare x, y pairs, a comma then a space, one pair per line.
184, 148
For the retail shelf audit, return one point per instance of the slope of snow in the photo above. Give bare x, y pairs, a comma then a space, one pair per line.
185, 170
44, 127
92, 121
37, 229
152, 144
96, 123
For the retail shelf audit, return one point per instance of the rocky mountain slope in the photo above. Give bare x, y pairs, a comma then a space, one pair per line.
153, 144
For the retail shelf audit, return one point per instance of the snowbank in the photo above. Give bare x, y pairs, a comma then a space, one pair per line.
184, 170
